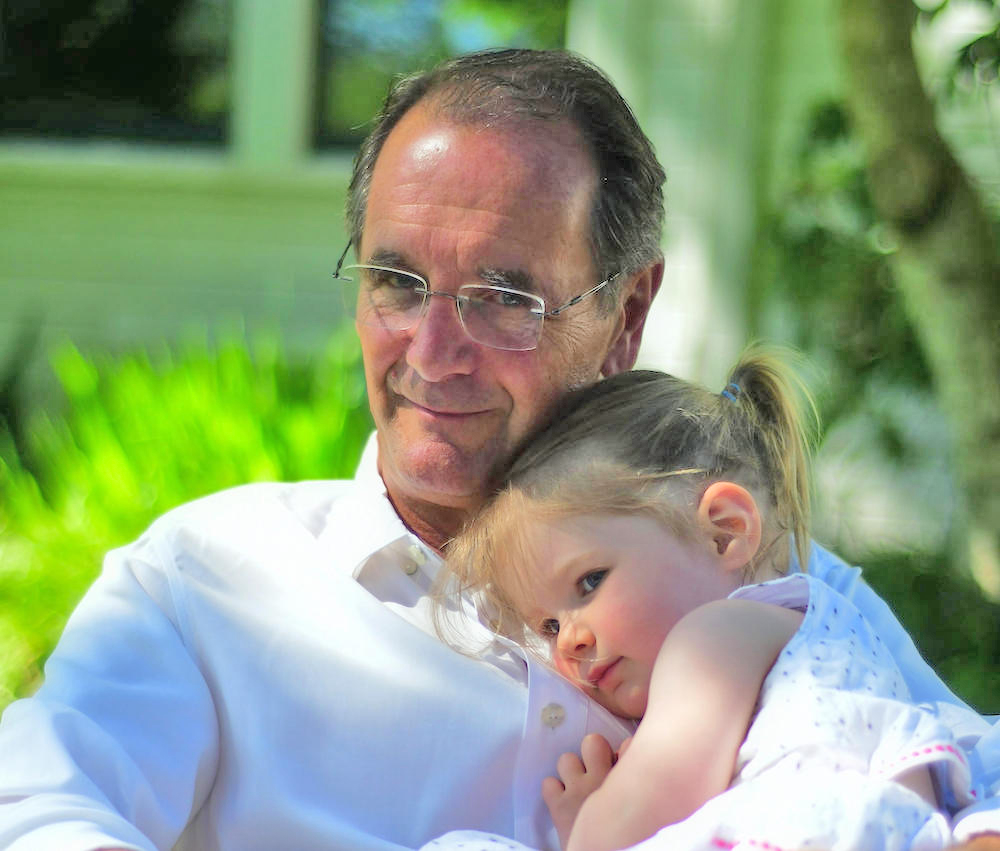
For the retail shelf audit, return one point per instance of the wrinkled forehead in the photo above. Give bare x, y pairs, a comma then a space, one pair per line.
548, 143
484, 167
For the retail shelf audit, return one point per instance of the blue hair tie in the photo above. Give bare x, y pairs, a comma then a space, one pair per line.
735, 392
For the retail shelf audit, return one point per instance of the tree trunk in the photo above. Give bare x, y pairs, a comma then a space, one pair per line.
947, 261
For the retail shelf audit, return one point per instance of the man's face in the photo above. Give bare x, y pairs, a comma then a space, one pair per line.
461, 204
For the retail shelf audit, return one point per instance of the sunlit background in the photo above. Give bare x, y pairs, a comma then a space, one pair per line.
172, 179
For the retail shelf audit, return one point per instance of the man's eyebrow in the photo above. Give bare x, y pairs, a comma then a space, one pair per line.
515, 279
386, 257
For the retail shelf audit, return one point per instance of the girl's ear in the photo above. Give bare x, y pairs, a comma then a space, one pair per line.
728, 514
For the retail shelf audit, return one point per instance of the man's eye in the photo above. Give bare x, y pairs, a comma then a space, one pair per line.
519, 300
588, 584
494, 297
391, 279
548, 628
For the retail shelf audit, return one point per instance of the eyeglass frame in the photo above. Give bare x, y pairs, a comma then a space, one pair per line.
426, 293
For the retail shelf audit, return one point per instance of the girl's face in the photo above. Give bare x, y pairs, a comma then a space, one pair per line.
604, 592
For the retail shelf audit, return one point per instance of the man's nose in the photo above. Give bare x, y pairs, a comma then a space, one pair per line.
439, 346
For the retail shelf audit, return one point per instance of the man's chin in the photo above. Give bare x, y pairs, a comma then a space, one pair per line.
440, 474
462, 457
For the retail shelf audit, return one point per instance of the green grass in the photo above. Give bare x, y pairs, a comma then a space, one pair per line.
139, 434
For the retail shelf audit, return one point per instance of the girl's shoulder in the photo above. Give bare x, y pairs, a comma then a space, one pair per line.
734, 629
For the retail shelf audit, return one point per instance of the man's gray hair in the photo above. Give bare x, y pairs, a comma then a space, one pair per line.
497, 87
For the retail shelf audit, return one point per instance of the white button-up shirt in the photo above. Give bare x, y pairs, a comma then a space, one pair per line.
260, 671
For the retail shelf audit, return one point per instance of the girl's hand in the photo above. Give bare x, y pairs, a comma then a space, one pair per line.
979, 842
578, 777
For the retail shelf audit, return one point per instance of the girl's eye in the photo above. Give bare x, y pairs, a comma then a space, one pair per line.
548, 628
588, 584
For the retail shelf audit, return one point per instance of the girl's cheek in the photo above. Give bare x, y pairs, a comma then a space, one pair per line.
565, 667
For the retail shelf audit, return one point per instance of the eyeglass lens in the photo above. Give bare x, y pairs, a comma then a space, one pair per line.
395, 300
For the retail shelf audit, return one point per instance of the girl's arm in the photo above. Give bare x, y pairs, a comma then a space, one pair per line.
702, 697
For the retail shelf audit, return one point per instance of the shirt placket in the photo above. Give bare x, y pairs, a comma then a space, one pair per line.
558, 716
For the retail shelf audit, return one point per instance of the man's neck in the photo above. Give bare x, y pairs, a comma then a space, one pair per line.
434, 524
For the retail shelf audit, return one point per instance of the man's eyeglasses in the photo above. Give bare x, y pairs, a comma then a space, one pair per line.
495, 316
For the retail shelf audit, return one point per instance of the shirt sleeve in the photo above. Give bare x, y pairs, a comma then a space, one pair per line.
925, 685
118, 747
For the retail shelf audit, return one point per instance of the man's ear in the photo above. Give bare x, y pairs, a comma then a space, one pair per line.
638, 296
728, 515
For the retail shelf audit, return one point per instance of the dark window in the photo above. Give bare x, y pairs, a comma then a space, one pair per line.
364, 44
115, 69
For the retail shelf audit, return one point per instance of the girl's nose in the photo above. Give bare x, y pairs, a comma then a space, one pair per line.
574, 639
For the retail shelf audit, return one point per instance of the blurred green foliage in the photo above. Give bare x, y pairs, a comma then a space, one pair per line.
978, 61
141, 434
100, 69
365, 44
956, 630
832, 272
831, 292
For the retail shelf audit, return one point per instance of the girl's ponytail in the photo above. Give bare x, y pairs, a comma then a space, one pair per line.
773, 414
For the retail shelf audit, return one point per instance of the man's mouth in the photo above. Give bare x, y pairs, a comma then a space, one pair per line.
443, 411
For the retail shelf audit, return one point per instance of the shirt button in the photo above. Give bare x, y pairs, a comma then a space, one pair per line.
416, 558
553, 714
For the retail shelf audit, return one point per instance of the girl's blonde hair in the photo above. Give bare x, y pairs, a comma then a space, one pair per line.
647, 442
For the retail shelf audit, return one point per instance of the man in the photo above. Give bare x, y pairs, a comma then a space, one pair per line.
259, 670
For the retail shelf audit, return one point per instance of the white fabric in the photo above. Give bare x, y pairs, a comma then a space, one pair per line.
835, 698
233, 680
925, 687
773, 807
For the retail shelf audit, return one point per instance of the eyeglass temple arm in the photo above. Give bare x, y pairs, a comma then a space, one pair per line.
556, 311
340, 262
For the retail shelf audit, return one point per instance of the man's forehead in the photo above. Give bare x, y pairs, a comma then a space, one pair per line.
536, 155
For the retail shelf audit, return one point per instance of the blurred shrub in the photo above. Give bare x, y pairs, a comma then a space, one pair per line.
956, 630
886, 497
365, 45
140, 435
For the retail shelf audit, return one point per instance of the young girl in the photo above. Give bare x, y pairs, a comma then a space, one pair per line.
646, 538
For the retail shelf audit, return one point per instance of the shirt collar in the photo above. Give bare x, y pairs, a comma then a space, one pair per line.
367, 476
364, 522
